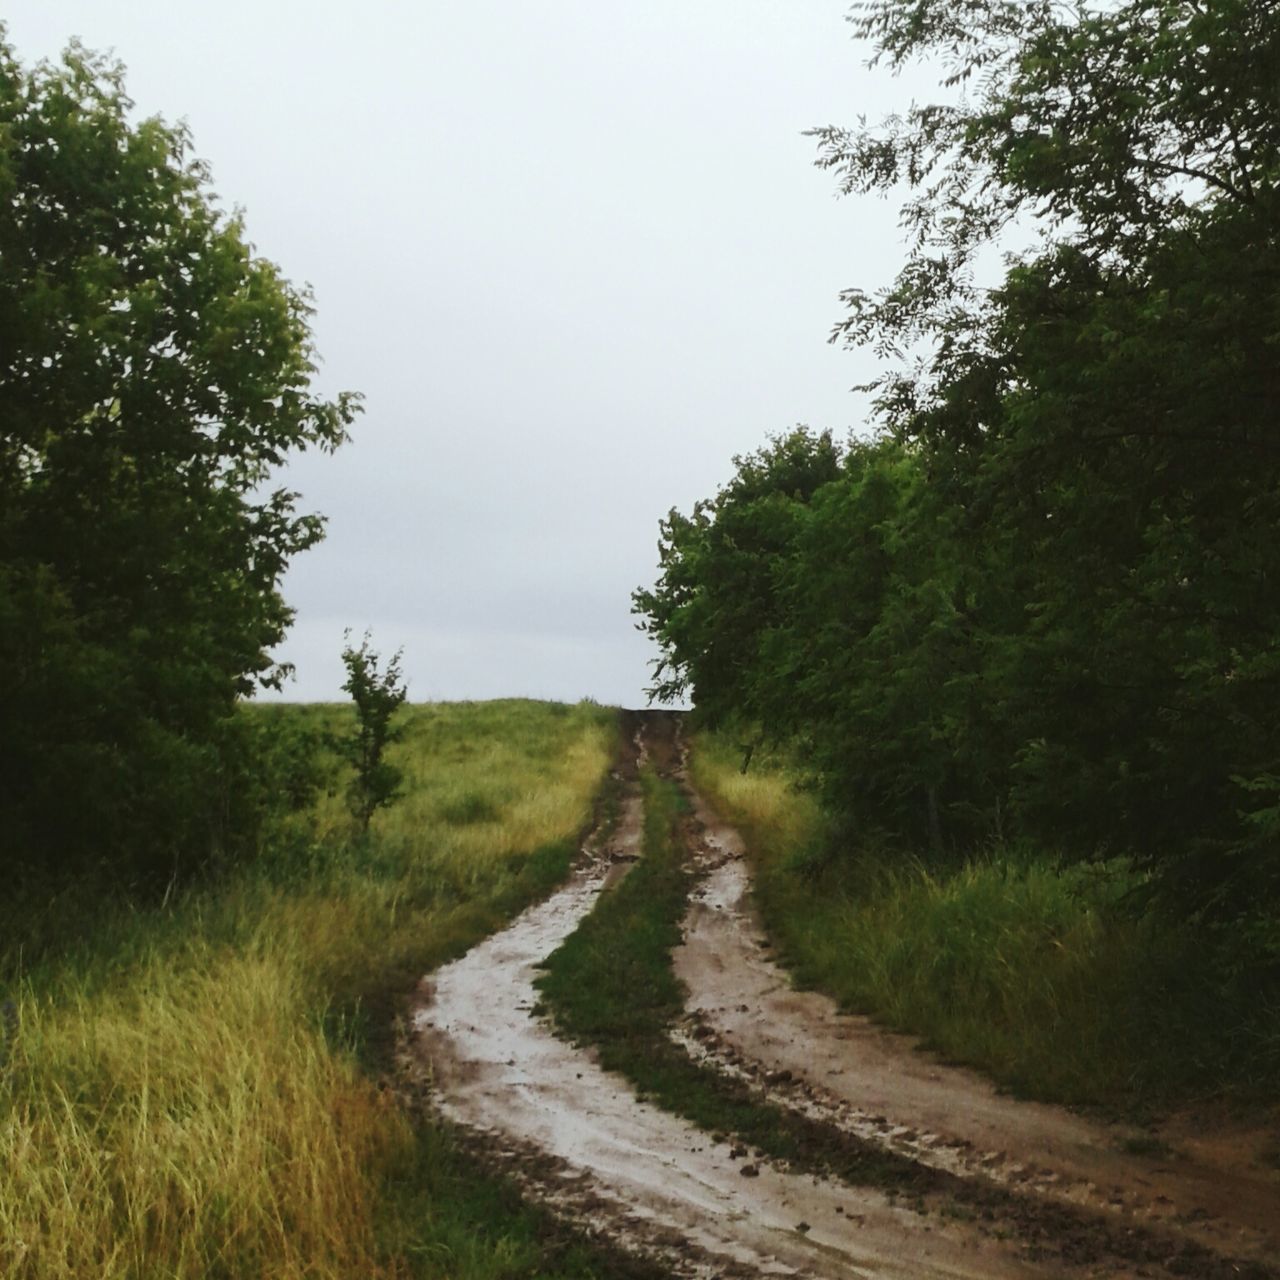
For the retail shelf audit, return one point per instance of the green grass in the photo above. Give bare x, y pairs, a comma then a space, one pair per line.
193, 1089
470, 807
611, 985
1036, 973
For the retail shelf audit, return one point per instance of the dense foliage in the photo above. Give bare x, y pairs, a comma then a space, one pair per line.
1040, 602
153, 371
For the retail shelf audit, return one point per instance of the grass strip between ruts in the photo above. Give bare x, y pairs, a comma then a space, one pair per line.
611, 985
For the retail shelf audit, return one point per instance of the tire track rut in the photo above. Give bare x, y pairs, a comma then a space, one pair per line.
579, 1139
797, 1046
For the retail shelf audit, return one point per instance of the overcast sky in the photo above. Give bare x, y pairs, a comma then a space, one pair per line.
575, 255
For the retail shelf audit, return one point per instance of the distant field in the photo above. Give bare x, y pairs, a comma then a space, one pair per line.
192, 1091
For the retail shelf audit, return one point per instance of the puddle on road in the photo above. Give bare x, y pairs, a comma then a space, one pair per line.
498, 1069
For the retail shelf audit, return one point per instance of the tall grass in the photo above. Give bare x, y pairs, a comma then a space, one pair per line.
1042, 975
184, 1096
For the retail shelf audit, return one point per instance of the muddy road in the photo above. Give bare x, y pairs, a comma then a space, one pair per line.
1024, 1190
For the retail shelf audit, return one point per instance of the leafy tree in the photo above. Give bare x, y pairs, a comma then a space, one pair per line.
377, 696
1108, 127
837, 617
1049, 611
717, 595
1109, 411
154, 370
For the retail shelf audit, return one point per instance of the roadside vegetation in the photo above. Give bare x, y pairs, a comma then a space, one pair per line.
1042, 973
192, 1087
1019, 639
156, 371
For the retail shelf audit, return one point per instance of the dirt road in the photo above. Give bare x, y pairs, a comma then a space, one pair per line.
1036, 1190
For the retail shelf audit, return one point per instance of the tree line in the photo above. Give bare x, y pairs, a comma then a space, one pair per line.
1039, 603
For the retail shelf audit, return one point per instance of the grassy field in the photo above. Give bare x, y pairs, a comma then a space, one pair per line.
1036, 973
192, 1089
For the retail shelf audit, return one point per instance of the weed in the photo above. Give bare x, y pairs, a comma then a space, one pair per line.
9, 1022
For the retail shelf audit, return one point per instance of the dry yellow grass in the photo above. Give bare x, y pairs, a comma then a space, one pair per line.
763, 801
178, 1103
192, 1122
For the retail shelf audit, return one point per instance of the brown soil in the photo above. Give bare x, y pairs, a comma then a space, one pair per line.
1209, 1188
578, 1138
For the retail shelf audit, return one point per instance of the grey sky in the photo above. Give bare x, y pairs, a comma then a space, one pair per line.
574, 253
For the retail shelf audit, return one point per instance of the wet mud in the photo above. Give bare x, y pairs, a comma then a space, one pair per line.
579, 1139
745, 1016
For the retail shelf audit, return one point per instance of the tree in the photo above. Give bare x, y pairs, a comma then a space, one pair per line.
835, 615
716, 596
377, 696
1107, 127
1062, 623
154, 370
1109, 410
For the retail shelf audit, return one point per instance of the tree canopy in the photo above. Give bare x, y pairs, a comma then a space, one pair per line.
154, 371
1040, 602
